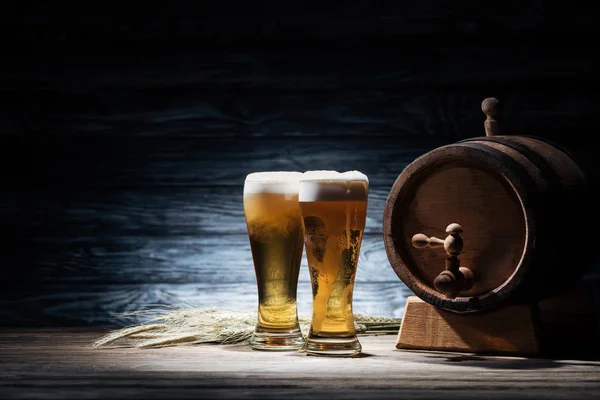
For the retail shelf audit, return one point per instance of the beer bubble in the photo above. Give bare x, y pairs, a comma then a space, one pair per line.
316, 235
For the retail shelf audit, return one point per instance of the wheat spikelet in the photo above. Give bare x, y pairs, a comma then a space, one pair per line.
121, 333
170, 340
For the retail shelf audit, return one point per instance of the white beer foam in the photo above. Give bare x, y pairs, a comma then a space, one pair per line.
333, 186
285, 182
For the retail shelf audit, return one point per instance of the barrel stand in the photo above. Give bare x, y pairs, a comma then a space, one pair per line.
564, 326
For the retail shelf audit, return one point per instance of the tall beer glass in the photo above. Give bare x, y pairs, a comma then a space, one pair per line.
334, 210
274, 227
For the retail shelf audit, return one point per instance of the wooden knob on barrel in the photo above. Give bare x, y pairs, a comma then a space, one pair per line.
491, 108
454, 279
453, 244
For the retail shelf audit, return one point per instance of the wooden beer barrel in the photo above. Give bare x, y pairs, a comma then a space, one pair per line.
511, 214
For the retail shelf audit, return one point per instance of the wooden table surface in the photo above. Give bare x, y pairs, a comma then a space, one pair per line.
49, 364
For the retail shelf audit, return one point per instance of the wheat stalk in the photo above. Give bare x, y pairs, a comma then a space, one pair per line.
171, 327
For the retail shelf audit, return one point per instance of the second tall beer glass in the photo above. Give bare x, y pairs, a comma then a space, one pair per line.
334, 210
275, 231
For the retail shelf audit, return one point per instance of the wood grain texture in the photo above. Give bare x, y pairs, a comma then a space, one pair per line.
285, 92
58, 215
511, 202
51, 364
166, 259
126, 136
84, 163
512, 330
104, 304
564, 326
462, 193
418, 71
85, 246
82, 280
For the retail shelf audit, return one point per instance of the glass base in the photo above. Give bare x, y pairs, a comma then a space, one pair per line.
327, 346
277, 341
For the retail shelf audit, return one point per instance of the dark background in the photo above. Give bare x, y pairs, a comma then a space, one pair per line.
126, 131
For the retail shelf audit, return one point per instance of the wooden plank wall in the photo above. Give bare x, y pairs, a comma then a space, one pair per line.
125, 140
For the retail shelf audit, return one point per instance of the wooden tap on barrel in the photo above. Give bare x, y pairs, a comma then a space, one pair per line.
524, 205
454, 279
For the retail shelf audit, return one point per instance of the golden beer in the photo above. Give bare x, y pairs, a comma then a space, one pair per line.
274, 227
334, 210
